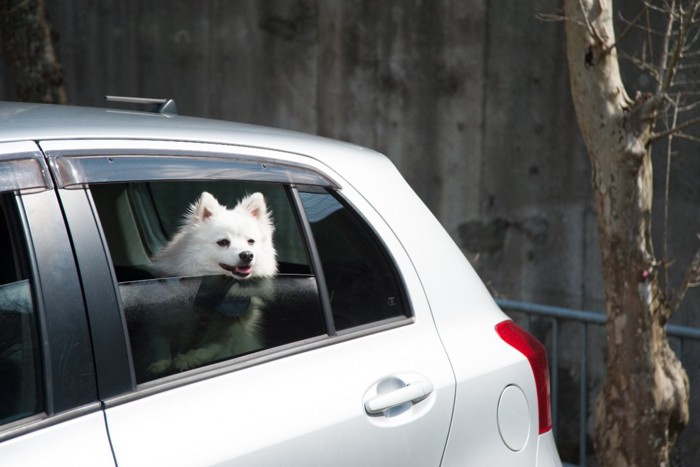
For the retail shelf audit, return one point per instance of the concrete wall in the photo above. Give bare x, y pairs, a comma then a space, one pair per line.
469, 98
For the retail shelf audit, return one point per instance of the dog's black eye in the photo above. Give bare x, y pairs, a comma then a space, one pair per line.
224, 242
251, 241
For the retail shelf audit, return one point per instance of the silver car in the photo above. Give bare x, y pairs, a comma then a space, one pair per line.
376, 343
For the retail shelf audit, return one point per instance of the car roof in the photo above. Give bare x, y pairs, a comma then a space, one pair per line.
41, 122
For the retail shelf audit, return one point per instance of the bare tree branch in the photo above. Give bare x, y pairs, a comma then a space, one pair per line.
551, 18
666, 70
674, 130
642, 64
630, 24
667, 185
688, 137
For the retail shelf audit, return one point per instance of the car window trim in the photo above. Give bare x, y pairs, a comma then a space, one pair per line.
23, 167
62, 323
113, 363
314, 258
45, 420
76, 163
87, 166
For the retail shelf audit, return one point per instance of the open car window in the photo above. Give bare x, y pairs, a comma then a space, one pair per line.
204, 306
139, 219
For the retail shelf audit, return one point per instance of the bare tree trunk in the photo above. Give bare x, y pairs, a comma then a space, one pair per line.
27, 45
643, 404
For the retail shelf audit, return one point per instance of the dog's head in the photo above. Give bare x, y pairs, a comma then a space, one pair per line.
234, 241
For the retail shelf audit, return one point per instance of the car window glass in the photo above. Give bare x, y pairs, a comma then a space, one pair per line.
361, 280
21, 382
209, 295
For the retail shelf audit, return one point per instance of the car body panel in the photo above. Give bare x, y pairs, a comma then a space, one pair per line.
305, 409
80, 441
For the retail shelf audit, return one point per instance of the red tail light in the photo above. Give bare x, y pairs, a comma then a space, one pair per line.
534, 351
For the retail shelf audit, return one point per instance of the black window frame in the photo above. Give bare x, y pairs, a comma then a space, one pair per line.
67, 374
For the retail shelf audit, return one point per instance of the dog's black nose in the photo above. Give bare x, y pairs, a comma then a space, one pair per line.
246, 256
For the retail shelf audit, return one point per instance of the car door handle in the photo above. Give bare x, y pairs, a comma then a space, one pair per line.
413, 392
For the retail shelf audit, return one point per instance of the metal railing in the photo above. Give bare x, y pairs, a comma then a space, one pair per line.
557, 315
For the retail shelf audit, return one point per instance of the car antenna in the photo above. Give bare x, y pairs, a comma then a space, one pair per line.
161, 106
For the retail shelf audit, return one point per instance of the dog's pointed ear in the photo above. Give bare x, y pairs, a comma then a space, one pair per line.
255, 204
204, 208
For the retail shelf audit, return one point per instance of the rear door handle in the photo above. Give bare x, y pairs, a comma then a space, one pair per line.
413, 392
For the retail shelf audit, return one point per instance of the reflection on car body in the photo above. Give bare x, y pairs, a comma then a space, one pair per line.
175, 316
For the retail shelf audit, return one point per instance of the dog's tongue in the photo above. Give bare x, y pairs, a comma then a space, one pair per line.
243, 270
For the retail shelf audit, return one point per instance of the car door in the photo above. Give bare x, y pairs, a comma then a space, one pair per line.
351, 372
49, 410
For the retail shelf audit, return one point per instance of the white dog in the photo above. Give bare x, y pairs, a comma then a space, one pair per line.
235, 245
216, 240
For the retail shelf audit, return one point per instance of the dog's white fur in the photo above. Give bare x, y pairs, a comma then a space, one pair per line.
214, 240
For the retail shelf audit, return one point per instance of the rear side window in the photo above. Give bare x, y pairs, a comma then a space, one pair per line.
363, 285
20, 362
193, 269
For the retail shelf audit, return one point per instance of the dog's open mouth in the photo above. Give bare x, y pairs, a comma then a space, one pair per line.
241, 271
